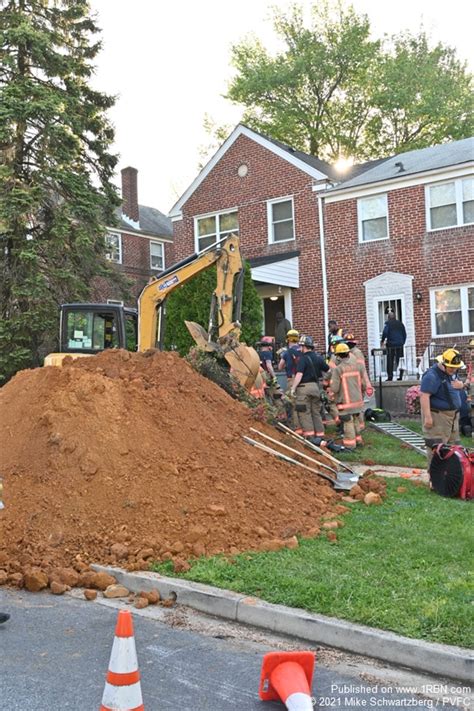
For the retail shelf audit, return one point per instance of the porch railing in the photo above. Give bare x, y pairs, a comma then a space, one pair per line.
412, 364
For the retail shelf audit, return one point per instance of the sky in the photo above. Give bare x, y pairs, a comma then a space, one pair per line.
168, 64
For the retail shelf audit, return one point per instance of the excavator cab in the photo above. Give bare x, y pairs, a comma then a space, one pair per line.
91, 328
86, 329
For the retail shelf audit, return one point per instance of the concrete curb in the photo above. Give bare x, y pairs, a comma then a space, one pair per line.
443, 660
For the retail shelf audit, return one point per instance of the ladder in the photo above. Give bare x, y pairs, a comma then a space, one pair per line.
407, 436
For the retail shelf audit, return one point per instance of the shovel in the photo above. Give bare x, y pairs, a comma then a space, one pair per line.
295, 451
337, 484
348, 475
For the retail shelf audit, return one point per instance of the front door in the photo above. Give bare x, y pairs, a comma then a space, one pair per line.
271, 307
384, 307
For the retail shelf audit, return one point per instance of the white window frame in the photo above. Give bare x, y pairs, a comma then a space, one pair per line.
360, 229
459, 203
115, 234
270, 223
162, 268
217, 215
464, 310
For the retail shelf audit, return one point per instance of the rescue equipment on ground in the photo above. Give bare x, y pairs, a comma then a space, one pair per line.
452, 471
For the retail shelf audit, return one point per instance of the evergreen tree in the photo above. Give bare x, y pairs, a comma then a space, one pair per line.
55, 171
192, 302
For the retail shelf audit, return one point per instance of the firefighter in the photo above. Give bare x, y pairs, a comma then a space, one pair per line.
359, 357
289, 358
348, 387
265, 352
334, 336
329, 404
440, 401
305, 388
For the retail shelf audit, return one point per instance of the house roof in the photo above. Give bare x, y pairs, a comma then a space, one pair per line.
308, 164
422, 160
329, 170
315, 167
272, 258
152, 222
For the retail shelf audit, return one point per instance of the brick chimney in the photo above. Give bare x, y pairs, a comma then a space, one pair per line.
130, 195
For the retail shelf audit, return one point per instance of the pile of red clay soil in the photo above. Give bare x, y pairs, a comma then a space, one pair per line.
128, 458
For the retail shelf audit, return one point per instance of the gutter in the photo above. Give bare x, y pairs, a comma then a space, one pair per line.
323, 269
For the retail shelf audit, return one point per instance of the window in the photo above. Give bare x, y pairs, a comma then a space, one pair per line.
90, 330
280, 220
450, 204
113, 245
212, 228
373, 218
157, 256
453, 310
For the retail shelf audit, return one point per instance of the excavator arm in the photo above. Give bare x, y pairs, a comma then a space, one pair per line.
226, 256
244, 361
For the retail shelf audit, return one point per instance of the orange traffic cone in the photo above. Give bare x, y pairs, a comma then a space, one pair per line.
287, 677
122, 690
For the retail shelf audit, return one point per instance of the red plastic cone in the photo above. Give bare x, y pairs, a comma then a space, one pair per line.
122, 690
287, 677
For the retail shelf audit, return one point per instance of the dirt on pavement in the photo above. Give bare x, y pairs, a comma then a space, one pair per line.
126, 458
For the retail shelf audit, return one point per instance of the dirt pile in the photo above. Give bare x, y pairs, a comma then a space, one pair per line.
126, 458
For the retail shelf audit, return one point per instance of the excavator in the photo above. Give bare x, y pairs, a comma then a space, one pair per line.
86, 329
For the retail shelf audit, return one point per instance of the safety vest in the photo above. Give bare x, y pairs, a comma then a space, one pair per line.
359, 358
347, 384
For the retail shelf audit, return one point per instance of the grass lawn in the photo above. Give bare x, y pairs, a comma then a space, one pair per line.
402, 566
383, 449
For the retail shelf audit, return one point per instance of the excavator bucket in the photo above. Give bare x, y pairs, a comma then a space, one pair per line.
243, 360
201, 337
245, 366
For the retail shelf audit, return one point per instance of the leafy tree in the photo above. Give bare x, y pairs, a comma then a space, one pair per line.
295, 95
192, 302
332, 90
55, 172
422, 96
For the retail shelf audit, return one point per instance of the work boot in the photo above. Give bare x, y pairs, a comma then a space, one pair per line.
335, 447
315, 440
4, 617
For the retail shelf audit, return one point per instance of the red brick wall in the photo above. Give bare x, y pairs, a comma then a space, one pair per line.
432, 258
269, 177
135, 265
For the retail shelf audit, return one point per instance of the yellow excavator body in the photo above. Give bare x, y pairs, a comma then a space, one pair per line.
93, 327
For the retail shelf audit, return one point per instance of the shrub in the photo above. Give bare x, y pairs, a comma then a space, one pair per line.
412, 400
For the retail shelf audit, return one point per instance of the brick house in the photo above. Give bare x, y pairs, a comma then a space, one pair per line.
406, 230
141, 243
395, 232
264, 190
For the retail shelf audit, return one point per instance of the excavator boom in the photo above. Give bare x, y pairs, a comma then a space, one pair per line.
225, 311
86, 329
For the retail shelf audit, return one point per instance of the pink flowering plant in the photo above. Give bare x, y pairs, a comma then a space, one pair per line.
412, 400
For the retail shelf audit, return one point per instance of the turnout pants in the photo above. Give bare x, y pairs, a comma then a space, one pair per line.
352, 436
293, 418
445, 430
308, 408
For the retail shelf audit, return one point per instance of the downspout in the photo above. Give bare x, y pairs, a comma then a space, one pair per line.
323, 269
